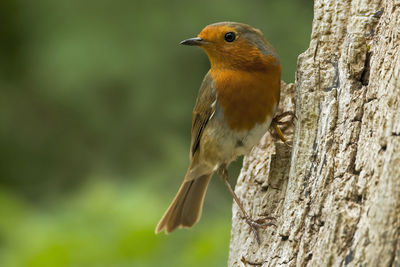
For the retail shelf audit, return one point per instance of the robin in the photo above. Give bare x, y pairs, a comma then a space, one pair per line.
235, 106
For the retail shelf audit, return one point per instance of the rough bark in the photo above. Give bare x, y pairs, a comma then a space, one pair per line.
335, 193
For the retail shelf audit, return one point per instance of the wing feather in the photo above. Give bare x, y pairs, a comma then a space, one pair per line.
202, 112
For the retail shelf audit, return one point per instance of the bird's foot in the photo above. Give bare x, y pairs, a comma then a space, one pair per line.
278, 120
254, 224
259, 223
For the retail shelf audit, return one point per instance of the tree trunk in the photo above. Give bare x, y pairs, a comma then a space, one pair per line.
335, 193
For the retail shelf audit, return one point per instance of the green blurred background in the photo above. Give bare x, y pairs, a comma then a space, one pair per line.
95, 112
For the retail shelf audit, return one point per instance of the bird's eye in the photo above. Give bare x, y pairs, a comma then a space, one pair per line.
230, 37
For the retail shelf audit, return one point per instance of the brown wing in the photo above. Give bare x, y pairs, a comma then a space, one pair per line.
202, 111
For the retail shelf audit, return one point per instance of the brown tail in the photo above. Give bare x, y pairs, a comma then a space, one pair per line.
185, 209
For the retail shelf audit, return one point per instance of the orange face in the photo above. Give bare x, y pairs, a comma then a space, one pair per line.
241, 48
215, 40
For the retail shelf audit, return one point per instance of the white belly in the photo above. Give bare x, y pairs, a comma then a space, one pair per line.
225, 145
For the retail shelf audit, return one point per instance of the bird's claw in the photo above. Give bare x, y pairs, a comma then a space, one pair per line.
276, 121
259, 223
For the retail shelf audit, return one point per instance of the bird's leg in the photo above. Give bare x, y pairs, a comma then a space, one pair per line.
276, 121
278, 130
254, 224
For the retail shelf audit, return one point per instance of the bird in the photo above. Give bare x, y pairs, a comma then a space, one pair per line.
234, 108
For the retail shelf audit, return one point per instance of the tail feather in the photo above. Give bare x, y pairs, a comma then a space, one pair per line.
185, 209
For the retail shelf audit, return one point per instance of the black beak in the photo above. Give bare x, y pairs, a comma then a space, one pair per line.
193, 41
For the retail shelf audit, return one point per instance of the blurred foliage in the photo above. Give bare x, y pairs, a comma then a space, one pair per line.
91, 230
95, 104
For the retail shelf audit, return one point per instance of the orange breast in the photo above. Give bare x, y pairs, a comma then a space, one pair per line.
247, 98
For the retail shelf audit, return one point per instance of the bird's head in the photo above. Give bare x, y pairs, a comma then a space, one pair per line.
232, 45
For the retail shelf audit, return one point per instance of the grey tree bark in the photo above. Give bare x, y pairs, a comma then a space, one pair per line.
335, 193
